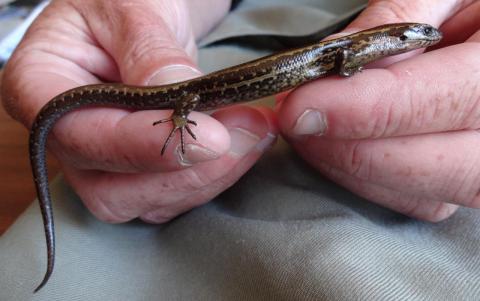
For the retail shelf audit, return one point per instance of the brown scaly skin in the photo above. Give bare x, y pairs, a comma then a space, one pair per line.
249, 81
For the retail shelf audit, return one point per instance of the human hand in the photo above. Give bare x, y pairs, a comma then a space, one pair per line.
405, 137
111, 156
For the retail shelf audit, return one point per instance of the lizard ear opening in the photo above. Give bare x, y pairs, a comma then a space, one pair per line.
403, 38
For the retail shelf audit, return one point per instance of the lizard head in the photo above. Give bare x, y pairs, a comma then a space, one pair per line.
421, 35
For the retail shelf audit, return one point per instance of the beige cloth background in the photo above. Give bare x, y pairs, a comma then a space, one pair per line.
283, 232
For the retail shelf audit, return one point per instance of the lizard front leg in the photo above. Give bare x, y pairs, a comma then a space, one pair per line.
348, 63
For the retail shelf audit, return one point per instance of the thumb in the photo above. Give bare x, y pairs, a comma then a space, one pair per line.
395, 11
152, 41
380, 12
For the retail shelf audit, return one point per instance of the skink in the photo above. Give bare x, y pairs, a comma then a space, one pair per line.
249, 81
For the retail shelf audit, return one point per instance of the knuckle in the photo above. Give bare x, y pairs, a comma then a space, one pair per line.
386, 123
398, 10
358, 162
146, 45
150, 52
11, 90
467, 180
103, 204
470, 116
411, 207
417, 113
193, 180
472, 200
7, 95
156, 36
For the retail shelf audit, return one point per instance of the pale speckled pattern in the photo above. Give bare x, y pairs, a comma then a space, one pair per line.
282, 232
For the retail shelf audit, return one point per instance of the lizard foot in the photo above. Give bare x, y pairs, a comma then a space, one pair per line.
180, 122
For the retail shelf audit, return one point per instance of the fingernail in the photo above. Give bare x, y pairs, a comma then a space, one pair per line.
311, 122
194, 154
266, 142
172, 74
243, 142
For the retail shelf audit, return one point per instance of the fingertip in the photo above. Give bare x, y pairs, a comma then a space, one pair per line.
300, 115
212, 141
256, 120
250, 129
434, 214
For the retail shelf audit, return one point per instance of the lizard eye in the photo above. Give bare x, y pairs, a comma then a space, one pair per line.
403, 37
427, 31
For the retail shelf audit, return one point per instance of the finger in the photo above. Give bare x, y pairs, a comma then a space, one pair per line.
461, 26
392, 198
116, 197
111, 140
132, 144
441, 167
158, 33
37, 71
419, 95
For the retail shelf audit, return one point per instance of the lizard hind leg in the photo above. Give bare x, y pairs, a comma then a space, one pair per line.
180, 121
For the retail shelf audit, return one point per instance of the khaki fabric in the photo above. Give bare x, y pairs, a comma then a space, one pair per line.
282, 232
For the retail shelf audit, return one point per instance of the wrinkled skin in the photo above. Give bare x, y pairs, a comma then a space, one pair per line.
406, 136
111, 157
